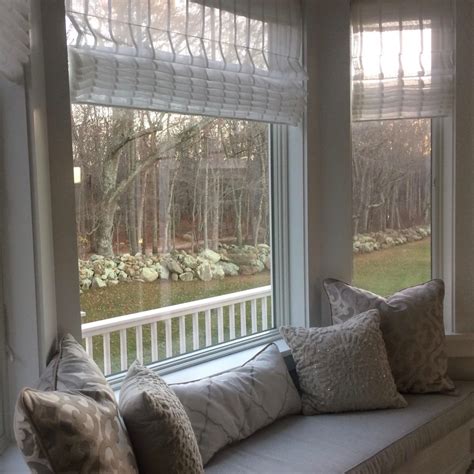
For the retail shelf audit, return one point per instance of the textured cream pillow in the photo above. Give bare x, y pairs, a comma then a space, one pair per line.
159, 428
412, 327
343, 367
231, 406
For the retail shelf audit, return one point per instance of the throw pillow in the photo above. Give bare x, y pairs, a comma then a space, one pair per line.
232, 405
71, 432
343, 367
73, 394
412, 327
72, 369
159, 428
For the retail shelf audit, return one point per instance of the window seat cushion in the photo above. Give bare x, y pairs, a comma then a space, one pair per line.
360, 442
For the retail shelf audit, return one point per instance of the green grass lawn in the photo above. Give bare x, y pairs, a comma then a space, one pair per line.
386, 271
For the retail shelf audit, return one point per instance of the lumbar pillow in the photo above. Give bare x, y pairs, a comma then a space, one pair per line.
72, 424
71, 432
231, 406
412, 327
343, 367
158, 425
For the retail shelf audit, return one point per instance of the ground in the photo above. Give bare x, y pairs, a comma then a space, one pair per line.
387, 271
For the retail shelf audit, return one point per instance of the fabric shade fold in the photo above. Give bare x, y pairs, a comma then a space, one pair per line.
226, 59
14, 38
402, 59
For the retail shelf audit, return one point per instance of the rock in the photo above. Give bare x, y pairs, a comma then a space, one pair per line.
174, 277
186, 276
149, 275
217, 272
95, 257
230, 269
164, 273
98, 283
210, 255
248, 269
204, 272
122, 276
174, 266
189, 261
86, 284
121, 266
113, 282
268, 263
243, 256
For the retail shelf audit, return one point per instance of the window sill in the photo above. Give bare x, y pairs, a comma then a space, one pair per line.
208, 361
460, 344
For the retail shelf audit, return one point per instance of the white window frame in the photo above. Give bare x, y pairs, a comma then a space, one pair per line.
51, 137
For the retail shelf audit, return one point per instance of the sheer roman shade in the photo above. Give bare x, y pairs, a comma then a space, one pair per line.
402, 58
227, 58
14, 38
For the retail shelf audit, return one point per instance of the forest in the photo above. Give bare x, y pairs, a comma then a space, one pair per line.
155, 182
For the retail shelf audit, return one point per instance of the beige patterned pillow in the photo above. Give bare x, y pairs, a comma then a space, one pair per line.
74, 405
412, 327
71, 432
343, 367
232, 405
159, 428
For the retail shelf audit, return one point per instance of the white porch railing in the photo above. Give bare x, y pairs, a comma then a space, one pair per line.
197, 324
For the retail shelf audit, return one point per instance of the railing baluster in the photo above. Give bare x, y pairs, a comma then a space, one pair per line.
107, 364
195, 331
139, 340
207, 318
123, 350
89, 347
243, 319
182, 335
253, 312
168, 338
264, 314
154, 341
220, 324
232, 321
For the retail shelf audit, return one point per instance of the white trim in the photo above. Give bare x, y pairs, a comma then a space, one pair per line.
328, 151
442, 205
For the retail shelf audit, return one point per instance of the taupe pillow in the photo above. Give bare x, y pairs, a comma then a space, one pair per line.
72, 424
72, 369
60, 432
159, 428
412, 327
231, 406
343, 367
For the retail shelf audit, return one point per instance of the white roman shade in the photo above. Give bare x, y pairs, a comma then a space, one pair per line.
402, 58
226, 58
14, 38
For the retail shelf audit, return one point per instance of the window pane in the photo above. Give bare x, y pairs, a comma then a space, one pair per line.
391, 176
173, 224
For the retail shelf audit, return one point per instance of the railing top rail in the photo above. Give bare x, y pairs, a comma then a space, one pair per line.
160, 314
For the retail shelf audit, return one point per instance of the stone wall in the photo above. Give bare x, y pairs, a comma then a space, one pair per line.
99, 272
367, 243
231, 260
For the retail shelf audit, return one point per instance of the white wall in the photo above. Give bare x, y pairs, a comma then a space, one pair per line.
18, 248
